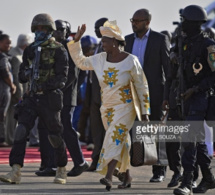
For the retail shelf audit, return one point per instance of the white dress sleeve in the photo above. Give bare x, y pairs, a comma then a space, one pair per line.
81, 61
141, 85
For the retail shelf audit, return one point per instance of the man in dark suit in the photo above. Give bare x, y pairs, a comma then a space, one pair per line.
152, 50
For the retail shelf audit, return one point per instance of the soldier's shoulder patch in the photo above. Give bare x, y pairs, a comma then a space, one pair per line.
211, 53
211, 57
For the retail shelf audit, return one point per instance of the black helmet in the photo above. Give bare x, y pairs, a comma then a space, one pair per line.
60, 24
43, 20
68, 29
194, 13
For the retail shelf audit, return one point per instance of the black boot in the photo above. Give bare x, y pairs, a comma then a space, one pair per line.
207, 182
186, 185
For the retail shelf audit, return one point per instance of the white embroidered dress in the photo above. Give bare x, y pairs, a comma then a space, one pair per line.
117, 109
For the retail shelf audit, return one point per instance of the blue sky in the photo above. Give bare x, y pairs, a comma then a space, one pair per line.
16, 15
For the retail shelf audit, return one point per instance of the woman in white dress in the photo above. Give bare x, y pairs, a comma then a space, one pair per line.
115, 69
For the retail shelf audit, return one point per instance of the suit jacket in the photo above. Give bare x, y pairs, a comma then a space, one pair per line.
156, 62
70, 90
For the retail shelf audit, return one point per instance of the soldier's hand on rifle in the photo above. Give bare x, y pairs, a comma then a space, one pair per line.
165, 105
80, 32
173, 58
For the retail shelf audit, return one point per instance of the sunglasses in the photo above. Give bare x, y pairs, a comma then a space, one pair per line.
136, 20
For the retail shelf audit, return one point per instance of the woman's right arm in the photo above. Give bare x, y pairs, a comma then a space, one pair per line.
81, 61
75, 51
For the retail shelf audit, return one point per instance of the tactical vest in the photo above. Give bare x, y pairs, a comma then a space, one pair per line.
192, 53
47, 60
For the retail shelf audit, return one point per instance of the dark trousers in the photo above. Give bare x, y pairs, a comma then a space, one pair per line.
156, 114
193, 141
97, 131
47, 153
5, 97
32, 107
70, 137
173, 155
173, 149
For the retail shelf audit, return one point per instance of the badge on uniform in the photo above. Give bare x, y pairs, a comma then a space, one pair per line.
197, 67
211, 57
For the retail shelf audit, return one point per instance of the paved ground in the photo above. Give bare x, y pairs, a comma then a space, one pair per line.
87, 183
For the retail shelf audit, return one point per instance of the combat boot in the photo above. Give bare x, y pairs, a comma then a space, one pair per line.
60, 175
207, 182
14, 176
186, 185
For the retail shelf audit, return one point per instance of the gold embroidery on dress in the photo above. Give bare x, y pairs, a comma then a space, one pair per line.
109, 115
146, 101
126, 94
119, 133
101, 159
110, 76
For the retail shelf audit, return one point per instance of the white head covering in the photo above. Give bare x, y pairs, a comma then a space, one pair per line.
111, 30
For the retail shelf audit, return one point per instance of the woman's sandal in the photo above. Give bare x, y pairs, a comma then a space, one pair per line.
119, 175
123, 185
106, 182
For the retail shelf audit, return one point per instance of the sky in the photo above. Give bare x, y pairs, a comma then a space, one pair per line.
16, 15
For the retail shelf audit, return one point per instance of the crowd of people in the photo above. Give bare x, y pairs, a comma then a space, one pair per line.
64, 84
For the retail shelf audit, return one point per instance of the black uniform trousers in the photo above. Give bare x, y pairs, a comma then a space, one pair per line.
48, 111
173, 149
193, 142
70, 136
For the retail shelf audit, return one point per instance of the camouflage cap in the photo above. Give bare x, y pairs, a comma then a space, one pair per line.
43, 20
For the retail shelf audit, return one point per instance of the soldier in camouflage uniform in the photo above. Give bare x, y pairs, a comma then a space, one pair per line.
44, 98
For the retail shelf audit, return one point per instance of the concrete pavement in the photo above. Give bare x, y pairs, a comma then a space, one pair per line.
87, 183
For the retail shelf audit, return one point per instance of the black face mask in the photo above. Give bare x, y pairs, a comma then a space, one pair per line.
191, 28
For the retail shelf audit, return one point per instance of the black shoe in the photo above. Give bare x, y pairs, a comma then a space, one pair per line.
185, 187
207, 182
204, 186
157, 178
183, 191
46, 172
78, 170
194, 184
91, 168
176, 178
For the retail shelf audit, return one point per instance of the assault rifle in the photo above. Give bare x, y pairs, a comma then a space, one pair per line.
35, 71
180, 74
